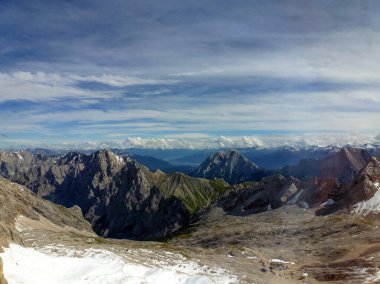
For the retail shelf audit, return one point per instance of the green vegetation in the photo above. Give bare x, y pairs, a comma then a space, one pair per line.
367, 222
185, 236
195, 193
101, 240
219, 185
337, 219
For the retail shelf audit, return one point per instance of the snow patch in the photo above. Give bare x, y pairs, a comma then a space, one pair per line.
251, 257
27, 265
373, 279
296, 197
371, 205
328, 202
119, 159
304, 205
276, 260
18, 155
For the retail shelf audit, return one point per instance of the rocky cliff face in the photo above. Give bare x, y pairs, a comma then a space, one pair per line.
335, 175
364, 195
33, 171
343, 165
367, 182
270, 193
230, 166
117, 195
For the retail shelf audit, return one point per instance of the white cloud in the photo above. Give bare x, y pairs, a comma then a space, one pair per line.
318, 112
37, 86
207, 72
121, 81
263, 141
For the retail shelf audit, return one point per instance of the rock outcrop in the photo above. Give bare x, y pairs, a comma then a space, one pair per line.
270, 193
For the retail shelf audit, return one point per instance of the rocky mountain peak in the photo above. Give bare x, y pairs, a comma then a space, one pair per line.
345, 164
108, 156
231, 166
230, 157
341, 166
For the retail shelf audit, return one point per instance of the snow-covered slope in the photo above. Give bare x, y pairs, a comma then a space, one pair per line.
29, 266
371, 205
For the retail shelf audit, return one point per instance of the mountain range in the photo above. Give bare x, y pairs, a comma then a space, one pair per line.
118, 196
115, 196
121, 198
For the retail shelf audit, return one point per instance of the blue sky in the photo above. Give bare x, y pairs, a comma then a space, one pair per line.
181, 72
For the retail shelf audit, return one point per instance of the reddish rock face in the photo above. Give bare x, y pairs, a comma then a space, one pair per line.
366, 183
325, 189
334, 174
345, 164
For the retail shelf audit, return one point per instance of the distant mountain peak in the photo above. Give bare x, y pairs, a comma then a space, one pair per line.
230, 165
344, 164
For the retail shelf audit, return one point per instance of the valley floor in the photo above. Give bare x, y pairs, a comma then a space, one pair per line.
289, 245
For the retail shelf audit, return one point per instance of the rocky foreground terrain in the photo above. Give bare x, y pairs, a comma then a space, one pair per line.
320, 225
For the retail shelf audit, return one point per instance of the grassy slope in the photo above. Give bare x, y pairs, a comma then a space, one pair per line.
194, 192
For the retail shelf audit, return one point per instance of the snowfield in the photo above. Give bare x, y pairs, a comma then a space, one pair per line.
371, 205
29, 266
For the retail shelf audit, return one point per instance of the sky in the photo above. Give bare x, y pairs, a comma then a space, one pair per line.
189, 73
